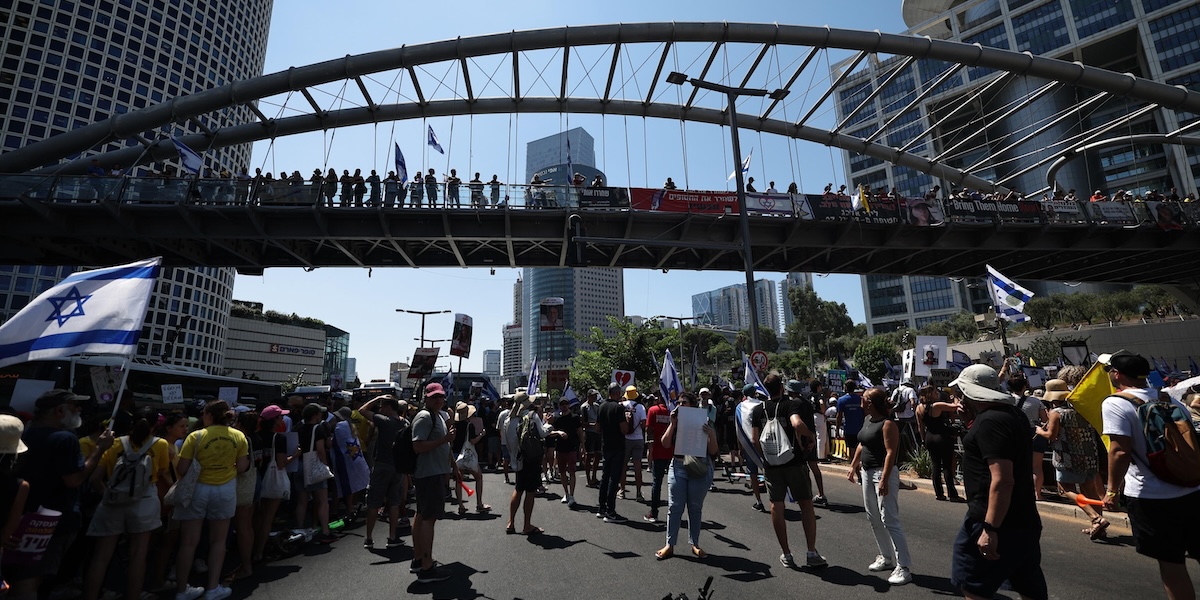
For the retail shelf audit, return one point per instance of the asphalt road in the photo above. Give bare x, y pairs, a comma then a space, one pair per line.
580, 556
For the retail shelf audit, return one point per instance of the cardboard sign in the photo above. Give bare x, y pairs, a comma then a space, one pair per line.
835, 380
172, 393
228, 394
940, 378
423, 362
622, 378
930, 354
460, 340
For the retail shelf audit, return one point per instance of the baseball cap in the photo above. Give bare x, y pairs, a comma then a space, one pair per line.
53, 398
435, 389
795, 386
345, 413
705, 391
748, 389
981, 383
272, 412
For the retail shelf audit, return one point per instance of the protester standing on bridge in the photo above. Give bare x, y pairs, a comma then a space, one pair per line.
431, 187
598, 182
1000, 538
329, 187
750, 185
877, 454
360, 188
1161, 514
476, 186
494, 186
373, 182
452, 183
391, 190
418, 189
314, 187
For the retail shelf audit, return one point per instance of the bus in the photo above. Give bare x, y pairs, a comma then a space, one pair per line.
377, 388
100, 376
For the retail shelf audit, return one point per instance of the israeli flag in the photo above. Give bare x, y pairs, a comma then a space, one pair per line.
668, 382
189, 159
489, 390
433, 141
401, 166
448, 383
1008, 297
534, 378
94, 312
570, 396
751, 376
745, 165
864, 382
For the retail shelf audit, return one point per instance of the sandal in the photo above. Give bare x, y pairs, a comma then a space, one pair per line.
698, 553
664, 553
533, 531
1099, 529
462, 510
510, 530
484, 508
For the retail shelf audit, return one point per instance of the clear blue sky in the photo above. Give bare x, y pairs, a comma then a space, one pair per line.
631, 151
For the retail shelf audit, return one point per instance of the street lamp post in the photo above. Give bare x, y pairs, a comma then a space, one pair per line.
423, 313
731, 96
431, 342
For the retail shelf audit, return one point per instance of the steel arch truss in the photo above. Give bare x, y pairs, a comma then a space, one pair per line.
622, 65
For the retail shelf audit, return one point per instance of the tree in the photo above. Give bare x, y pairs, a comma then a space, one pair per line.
1155, 301
869, 357
959, 327
1116, 306
1044, 350
1042, 311
814, 314
768, 341
1081, 307
630, 348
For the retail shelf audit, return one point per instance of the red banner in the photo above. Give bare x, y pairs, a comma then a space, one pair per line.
683, 201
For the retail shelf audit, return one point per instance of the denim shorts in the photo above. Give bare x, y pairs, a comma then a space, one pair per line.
210, 502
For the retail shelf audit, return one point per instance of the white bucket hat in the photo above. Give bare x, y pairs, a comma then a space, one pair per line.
981, 384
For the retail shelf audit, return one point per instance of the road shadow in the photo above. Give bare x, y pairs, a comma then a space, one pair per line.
548, 541
459, 585
937, 585
838, 575
732, 543
845, 509
736, 568
263, 574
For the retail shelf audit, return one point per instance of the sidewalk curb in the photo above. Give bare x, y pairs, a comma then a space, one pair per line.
1055, 509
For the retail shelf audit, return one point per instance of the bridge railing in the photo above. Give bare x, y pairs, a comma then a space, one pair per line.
881, 210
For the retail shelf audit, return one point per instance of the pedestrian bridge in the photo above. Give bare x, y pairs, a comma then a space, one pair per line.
69, 220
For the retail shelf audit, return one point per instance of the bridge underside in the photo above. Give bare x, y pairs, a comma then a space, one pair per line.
253, 238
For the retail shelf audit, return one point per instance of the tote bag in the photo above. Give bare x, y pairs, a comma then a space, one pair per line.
275, 485
315, 471
184, 488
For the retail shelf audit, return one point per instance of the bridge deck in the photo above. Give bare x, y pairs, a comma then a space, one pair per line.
254, 237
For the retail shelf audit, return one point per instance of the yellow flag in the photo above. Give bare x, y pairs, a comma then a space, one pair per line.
1090, 394
1032, 363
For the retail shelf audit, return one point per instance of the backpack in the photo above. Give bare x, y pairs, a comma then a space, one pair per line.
776, 446
529, 443
404, 457
130, 479
1172, 451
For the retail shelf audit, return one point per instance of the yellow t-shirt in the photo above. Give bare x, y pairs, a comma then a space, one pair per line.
160, 454
86, 446
220, 447
362, 427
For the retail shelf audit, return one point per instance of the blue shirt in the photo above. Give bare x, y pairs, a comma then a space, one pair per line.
850, 406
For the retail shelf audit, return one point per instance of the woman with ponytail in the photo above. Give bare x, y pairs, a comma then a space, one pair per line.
131, 481
222, 453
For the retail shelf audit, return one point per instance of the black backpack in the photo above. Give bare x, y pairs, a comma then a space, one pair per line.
403, 456
530, 448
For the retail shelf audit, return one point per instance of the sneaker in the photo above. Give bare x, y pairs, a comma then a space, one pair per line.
880, 564
759, 507
650, 518
414, 566
813, 559
564, 499
433, 575
395, 542
404, 522
191, 593
613, 517
601, 514
820, 501
787, 561
369, 543
570, 501
900, 576
218, 593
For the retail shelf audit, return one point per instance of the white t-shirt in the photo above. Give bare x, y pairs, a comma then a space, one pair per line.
908, 400
510, 437
502, 425
1120, 418
639, 417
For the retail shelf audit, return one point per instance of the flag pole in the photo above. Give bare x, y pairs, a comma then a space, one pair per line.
120, 392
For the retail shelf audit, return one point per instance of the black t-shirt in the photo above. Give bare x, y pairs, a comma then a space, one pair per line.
807, 412
266, 439
612, 414
53, 454
1000, 433
568, 423
783, 410
386, 429
306, 436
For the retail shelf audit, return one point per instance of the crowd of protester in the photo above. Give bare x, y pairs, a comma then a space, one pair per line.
202, 496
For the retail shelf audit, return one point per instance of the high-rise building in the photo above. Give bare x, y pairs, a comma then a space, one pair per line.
1154, 39
792, 281
69, 64
729, 307
491, 363
590, 295
337, 351
518, 294
512, 358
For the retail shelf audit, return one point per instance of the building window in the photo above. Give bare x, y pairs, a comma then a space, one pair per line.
1041, 30
1177, 38
1093, 16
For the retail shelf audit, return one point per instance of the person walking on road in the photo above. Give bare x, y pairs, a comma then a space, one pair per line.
688, 484
431, 438
876, 456
613, 424
523, 422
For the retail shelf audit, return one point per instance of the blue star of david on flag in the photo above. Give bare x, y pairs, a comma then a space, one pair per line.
60, 302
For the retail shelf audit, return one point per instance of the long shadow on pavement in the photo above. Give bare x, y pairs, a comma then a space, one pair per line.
458, 586
550, 542
736, 567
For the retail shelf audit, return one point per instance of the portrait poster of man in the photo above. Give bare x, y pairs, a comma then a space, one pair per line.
1167, 215
460, 341
551, 317
424, 359
930, 354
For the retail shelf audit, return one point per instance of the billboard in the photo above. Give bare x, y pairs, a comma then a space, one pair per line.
550, 317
